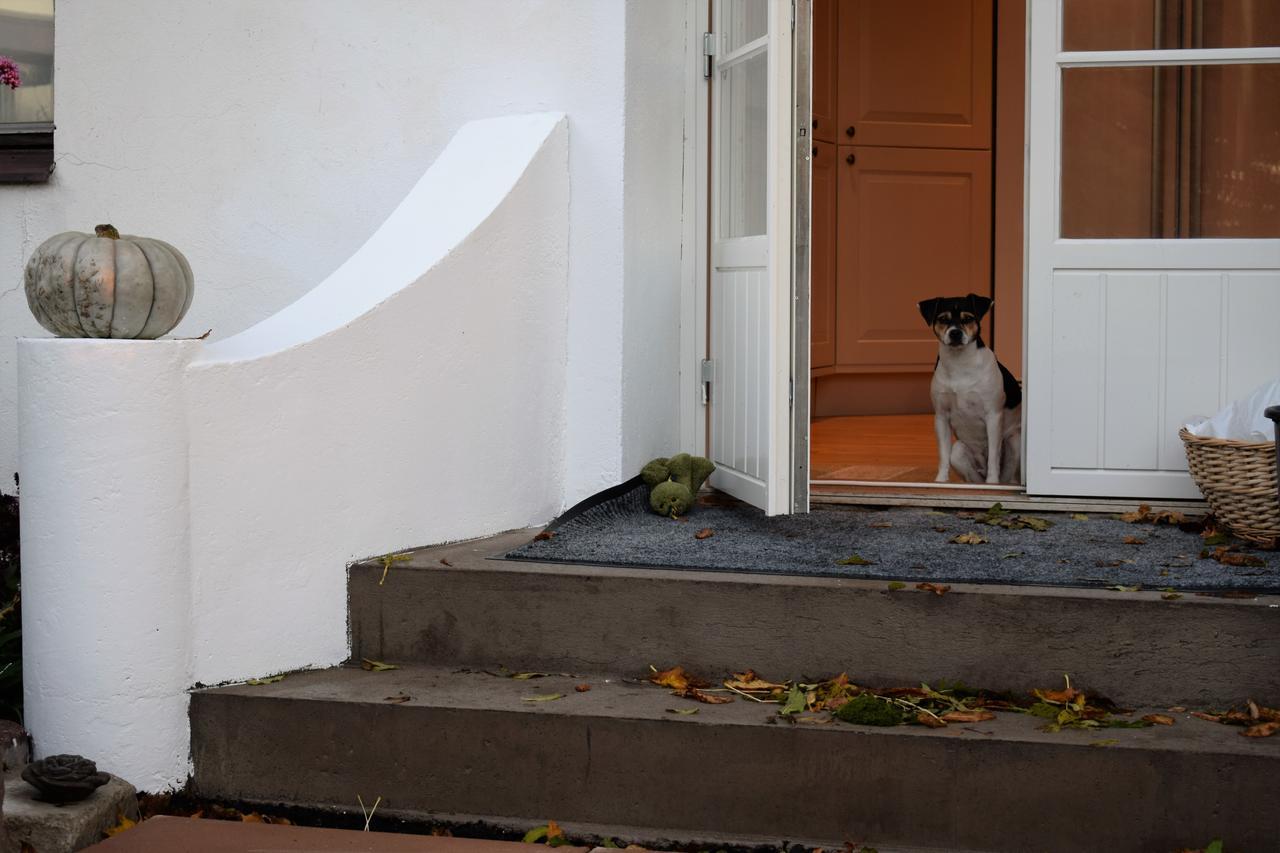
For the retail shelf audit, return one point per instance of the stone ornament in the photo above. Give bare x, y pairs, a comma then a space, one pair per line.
104, 285
64, 778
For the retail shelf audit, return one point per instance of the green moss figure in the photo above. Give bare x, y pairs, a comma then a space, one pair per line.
670, 499
690, 471
866, 710
655, 472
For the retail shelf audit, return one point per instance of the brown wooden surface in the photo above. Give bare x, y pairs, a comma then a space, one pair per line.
1010, 133
916, 72
895, 448
186, 835
911, 224
824, 70
822, 264
837, 392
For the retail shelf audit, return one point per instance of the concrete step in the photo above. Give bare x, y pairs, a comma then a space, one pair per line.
455, 606
613, 760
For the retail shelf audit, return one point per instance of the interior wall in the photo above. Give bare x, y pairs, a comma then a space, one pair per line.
269, 140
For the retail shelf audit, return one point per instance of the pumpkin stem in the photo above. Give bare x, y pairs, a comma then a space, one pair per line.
108, 231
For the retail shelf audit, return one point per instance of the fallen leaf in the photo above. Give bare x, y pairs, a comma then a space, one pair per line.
1171, 596
546, 697
544, 536
1178, 709
939, 528
704, 533
1215, 537
977, 716
1119, 587
251, 817
268, 680
896, 585
1142, 514
684, 712
935, 588
677, 679
535, 835
525, 676
1134, 540
582, 688
1252, 708
924, 718
122, 824
968, 539
855, 560
398, 699
445, 562
1234, 558
795, 702
1079, 516
1159, 719
1262, 729
1213, 718
703, 696
376, 665
750, 681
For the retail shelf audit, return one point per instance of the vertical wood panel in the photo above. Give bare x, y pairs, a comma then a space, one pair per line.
1193, 357
739, 389
1253, 331
1130, 399
1076, 353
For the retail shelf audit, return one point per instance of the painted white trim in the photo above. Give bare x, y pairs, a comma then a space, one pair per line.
1146, 58
743, 53
1188, 254
693, 299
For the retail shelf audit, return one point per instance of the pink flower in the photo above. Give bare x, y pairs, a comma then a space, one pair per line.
9, 75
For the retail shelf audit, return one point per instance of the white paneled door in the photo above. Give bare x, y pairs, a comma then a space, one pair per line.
749, 323
1153, 289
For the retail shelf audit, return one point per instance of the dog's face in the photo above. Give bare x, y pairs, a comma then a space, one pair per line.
956, 320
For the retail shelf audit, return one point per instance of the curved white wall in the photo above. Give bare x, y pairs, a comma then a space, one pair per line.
189, 509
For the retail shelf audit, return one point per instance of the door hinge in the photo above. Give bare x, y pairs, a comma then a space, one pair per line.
793, 16
708, 52
708, 373
791, 392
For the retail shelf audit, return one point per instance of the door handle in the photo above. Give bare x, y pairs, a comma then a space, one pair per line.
849, 131
851, 159
815, 152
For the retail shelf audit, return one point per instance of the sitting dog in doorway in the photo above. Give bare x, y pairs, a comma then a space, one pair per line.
974, 396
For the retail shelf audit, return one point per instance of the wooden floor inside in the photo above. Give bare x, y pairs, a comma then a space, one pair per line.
884, 448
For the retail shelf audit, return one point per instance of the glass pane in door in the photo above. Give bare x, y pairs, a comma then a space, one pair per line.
1169, 24
742, 22
743, 135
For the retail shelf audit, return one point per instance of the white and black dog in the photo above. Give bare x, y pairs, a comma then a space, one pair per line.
973, 395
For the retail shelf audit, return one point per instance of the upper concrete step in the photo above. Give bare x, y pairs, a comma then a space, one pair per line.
454, 606
435, 743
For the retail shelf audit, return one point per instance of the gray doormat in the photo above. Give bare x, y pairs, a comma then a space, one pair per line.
902, 544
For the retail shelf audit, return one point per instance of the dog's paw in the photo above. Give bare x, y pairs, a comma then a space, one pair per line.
943, 477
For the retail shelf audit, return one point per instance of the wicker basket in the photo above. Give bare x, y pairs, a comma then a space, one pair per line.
1238, 479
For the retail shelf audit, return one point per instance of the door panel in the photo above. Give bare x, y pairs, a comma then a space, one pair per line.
911, 224
916, 72
824, 70
822, 259
749, 340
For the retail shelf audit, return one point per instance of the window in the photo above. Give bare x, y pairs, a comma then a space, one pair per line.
1176, 134
26, 111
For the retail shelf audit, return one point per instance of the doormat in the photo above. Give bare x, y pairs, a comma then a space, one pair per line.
908, 544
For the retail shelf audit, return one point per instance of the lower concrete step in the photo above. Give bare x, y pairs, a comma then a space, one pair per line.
454, 606
441, 744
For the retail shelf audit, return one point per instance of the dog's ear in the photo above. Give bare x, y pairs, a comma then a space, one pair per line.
979, 305
929, 309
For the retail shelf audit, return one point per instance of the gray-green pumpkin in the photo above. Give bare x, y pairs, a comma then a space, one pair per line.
104, 285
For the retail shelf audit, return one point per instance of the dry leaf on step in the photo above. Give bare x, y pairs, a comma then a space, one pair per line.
970, 538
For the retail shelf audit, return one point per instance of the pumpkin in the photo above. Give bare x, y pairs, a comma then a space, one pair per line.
103, 285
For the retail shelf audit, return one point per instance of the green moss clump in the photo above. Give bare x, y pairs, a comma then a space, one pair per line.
670, 499
866, 710
655, 472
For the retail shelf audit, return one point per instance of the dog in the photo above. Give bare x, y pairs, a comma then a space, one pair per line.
974, 396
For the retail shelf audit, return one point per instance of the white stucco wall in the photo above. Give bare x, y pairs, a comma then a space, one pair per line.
190, 508
269, 140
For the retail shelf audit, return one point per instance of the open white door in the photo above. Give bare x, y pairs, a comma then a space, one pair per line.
750, 313
1153, 216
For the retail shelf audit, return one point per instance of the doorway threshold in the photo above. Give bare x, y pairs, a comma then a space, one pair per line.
978, 496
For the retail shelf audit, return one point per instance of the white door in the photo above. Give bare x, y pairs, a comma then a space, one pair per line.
1153, 262
749, 323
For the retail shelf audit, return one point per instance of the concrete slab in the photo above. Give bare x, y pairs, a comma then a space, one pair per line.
48, 828
454, 605
219, 836
469, 744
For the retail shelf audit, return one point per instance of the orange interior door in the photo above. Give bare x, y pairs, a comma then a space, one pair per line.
913, 185
822, 257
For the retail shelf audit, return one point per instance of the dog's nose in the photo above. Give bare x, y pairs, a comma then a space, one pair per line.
955, 335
